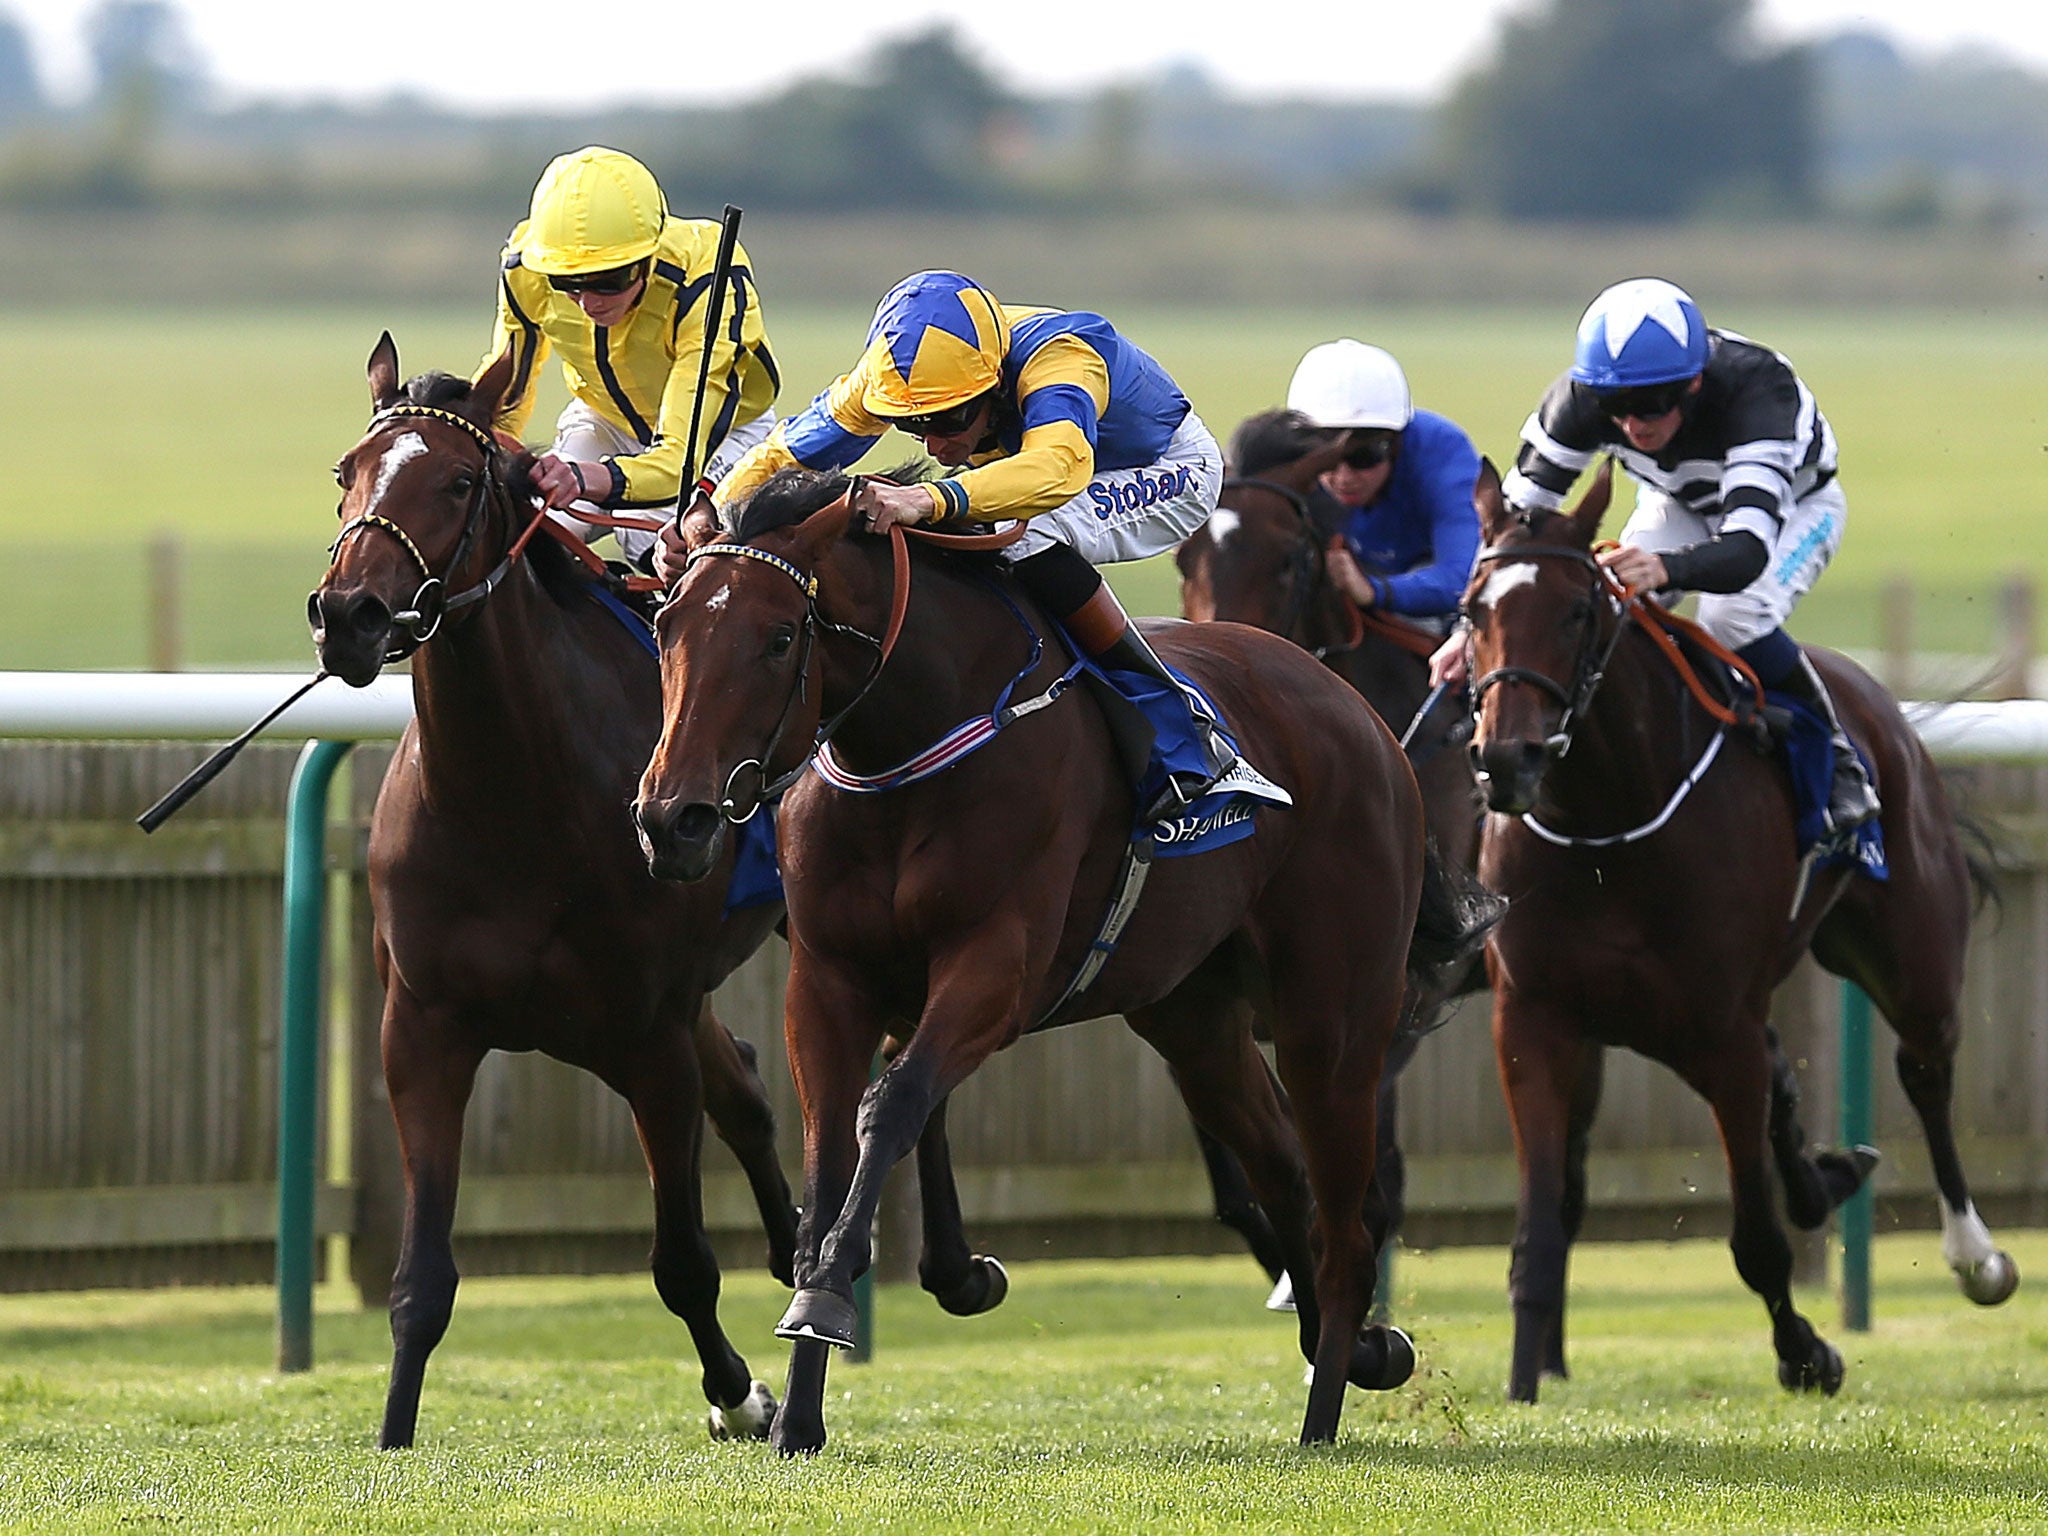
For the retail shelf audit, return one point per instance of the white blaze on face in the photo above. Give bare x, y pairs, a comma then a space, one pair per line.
717, 600
1223, 522
409, 446
1505, 579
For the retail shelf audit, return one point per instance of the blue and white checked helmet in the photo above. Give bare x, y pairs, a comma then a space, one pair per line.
1643, 331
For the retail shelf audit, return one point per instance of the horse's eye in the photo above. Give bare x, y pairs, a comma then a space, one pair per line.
1581, 610
344, 473
781, 640
462, 485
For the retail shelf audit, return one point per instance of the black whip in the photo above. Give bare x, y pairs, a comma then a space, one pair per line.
714, 311
209, 770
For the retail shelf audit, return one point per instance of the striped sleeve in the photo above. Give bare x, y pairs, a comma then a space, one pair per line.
1062, 391
516, 330
1558, 442
831, 432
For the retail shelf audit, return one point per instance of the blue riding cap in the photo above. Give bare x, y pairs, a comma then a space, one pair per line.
1643, 331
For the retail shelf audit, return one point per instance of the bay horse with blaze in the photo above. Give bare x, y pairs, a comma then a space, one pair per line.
1645, 843
966, 902
513, 911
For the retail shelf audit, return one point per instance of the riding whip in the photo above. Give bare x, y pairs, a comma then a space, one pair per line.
714, 311
1435, 697
209, 770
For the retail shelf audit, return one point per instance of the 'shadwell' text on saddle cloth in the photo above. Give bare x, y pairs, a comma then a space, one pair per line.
1219, 818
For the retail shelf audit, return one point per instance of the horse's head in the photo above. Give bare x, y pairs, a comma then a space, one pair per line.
741, 671
1259, 558
1543, 623
417, 494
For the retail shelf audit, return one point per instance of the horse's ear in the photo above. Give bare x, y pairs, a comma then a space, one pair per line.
383, 372
488, 392
1593, 505
1305, 471
1491, 505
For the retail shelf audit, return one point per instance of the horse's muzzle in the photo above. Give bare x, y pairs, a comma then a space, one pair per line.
682, 841
1509, 772
351, 633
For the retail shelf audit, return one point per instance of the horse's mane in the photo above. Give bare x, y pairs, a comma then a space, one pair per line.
1270, 439
560, 574
791, 495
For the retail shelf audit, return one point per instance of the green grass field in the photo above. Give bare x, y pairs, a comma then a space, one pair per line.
221, 426
1133, 1395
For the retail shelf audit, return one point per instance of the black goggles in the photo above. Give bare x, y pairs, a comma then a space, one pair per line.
1369, 450
617, 280
947, 423
1646, 402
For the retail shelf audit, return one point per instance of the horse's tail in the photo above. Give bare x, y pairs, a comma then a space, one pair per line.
1981, 848
1452, 921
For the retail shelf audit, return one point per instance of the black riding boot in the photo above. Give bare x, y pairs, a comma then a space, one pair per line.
1852, 798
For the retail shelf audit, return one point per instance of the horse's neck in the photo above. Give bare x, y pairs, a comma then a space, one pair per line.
514, 696
1640, 737
959, 646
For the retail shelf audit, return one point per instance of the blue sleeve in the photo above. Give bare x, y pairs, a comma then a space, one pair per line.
817, 439
1448, 468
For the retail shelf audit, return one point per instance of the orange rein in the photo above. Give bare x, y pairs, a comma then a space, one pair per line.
1361, 620
1659, 623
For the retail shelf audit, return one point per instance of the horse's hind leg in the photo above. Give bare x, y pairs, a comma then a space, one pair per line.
662, 1086
738, 1106
1815, 1183
1736, 1082
428, 1073
1903, 943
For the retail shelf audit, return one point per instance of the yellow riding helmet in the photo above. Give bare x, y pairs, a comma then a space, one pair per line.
937, 340
592, 211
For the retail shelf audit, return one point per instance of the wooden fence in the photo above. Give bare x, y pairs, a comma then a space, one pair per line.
139, 1001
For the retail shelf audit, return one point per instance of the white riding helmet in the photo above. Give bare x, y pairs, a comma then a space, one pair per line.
1350, 384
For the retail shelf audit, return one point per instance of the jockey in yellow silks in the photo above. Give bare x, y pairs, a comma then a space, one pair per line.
1041, 414
601, 274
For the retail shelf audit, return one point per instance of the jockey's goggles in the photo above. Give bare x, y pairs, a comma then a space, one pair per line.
1369, 450
1645, 402
947, 423
616, 280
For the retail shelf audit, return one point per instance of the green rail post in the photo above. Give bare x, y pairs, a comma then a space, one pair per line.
1854, 1074
298, 1103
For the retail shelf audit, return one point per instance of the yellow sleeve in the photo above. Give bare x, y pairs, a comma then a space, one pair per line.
654, 477
517, 330
1055, 460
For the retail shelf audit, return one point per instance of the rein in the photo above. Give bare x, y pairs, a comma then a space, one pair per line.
430, 604
884, 647
1663, 627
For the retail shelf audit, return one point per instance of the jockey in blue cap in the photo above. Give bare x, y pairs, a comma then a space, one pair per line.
1044, 415
1737, 496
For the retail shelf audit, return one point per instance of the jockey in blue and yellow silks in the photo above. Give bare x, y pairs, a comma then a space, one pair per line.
603, 275
1043, 414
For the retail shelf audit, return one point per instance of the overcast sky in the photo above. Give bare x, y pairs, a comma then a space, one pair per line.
494, 55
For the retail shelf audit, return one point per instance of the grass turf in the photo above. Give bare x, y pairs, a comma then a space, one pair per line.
221, 427
1138, 1394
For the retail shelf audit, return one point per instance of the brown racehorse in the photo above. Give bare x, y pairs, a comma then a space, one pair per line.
1648, 914
967, 901
513, 910
1260, 560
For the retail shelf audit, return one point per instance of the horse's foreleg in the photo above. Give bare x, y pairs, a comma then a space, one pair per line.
833, 1033
1585, 1104
737, 1103
428, 1074
1540, 1058
1815, 1183
1736, 1083
663, 1089
962, 1281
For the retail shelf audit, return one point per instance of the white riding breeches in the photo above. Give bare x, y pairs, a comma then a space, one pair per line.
1811, 534
583, 435
1129, 514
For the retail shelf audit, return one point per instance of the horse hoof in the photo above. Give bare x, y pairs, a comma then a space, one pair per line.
1865, 1159
983, 1290
1821, 1370
747, 1419
1383, 1360
796, 1439
1990, 1281
822, 1315
1282, 1299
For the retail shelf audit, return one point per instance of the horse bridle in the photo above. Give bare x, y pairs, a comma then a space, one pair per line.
1589, 667
431, 605
1303, 563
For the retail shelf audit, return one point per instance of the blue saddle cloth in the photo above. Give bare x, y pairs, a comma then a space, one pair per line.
756, 877
1219, 818
1808, 746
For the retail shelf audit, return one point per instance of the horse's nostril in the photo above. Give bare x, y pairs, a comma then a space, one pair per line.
695, 823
